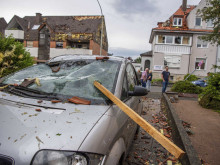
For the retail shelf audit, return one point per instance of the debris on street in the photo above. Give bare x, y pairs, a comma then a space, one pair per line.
145, 150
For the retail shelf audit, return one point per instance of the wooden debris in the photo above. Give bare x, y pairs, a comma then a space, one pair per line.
166, 143
78, 100
55, 101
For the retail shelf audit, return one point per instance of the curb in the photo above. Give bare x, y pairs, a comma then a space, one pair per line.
180, 136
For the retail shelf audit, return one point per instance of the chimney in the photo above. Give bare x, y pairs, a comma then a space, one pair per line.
160, 24
184, 5
38, 18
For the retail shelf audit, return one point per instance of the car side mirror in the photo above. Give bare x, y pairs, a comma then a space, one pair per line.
138, 91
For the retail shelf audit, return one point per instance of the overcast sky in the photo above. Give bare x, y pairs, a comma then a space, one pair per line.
128, 22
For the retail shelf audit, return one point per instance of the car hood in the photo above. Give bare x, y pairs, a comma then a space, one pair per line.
28, 126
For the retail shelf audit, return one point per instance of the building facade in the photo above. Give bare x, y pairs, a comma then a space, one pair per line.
48, 36
176, 43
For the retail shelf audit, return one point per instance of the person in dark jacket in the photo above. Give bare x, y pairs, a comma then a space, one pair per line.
165, 77
149, 79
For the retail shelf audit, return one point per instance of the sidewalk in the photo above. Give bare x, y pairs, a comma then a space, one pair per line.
205, 126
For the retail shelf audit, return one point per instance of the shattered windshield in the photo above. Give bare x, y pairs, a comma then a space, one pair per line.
70, 78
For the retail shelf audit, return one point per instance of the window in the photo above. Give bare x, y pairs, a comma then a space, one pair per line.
169, 39
161, 39
177, 22
59, 44
131, 76
200, 63
201, 43
35, 27
124, 92
186, 40
30, 44
180, 40
42, 35
198, 21
210, 23
173, 61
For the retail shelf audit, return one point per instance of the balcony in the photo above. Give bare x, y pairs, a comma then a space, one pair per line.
172, 49
17, 34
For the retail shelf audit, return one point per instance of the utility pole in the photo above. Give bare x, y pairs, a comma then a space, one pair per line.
101, 28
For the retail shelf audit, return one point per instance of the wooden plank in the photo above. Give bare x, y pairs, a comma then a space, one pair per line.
165, 142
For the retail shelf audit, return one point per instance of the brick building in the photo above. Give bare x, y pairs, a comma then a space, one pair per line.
48, 36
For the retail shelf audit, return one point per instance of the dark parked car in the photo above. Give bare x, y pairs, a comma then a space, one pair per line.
201, 82
41, 123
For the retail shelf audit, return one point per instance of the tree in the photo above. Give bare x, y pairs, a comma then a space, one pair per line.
138, 60
13, 56
212, 13
210, 97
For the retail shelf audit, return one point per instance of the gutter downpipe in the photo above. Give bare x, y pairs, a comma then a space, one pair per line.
217, 52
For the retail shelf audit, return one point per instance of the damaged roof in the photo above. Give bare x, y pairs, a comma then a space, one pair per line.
3, 25
59, 24
167, 26
180, 11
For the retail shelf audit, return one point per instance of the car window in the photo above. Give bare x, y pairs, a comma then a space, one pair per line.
131, 76
74, 78
124, 92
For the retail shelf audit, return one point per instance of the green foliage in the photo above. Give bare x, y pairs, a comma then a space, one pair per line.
138, 60
186, 87
13, 56
212, 13
210, 97
159, 80
191, 77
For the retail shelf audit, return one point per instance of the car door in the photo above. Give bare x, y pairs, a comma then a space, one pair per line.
130, 80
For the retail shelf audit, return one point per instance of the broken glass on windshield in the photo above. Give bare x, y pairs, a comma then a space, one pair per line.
74, 78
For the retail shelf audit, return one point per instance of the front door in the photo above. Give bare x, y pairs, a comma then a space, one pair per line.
147, 64
44, 44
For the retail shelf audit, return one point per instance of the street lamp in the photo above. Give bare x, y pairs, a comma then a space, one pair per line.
101, 29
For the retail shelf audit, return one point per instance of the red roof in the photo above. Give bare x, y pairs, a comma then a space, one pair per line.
172, 29
180, 11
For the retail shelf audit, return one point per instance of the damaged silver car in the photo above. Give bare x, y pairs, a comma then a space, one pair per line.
51, 114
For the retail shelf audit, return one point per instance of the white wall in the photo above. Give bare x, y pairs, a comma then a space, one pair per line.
33, 51
208, 53
192, 17
56, 52
17, 34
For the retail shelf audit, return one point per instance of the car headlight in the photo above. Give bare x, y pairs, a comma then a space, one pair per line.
50, 157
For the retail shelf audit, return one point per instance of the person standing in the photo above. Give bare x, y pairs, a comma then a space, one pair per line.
144, 77
139, 75
149, 79
165, 77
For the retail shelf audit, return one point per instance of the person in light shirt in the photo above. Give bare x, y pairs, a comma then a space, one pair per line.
144, 77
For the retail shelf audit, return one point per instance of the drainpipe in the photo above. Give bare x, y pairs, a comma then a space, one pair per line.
218, 47
101, 29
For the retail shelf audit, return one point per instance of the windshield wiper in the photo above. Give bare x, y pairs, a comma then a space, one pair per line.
27, 92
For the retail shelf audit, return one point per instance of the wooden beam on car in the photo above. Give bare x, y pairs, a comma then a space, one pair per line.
165, 142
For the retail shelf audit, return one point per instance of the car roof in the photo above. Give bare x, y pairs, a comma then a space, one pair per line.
69, 57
